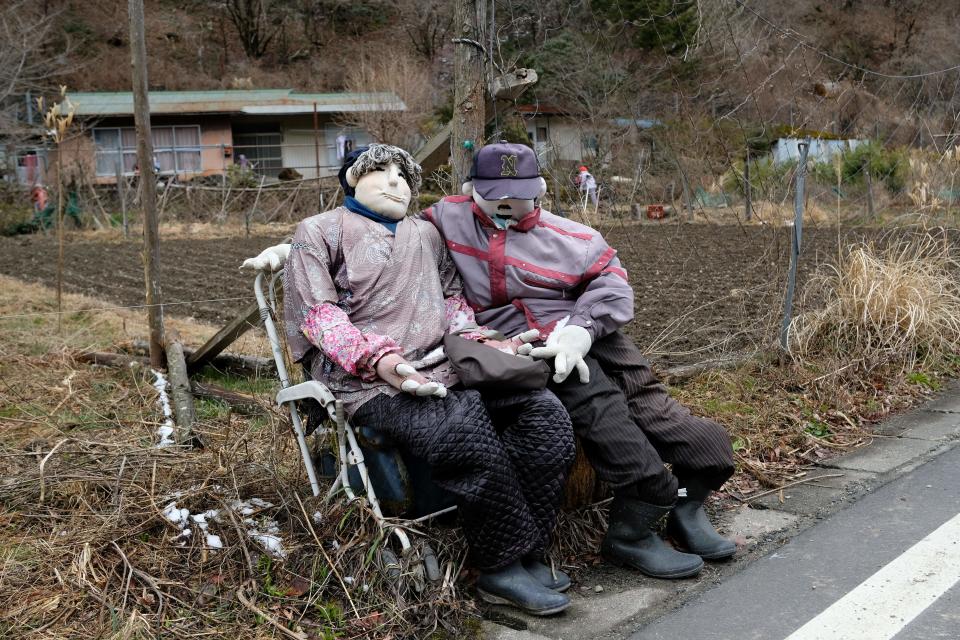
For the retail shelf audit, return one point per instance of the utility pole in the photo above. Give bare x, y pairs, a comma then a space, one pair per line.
148, 183
469, 94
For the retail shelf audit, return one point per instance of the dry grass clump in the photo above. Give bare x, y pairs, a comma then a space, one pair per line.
87, 548
895, 305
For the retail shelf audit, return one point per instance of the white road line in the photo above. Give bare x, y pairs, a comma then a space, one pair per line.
883, 604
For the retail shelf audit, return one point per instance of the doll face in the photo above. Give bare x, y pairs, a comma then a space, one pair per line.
508, 208
384, 190
514, 208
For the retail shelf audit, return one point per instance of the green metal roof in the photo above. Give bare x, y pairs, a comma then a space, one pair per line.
256, 101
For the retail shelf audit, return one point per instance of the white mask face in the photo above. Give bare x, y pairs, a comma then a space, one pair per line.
514, 208
385, 191
509, 208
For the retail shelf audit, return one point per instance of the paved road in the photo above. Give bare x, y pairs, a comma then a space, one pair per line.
887, 568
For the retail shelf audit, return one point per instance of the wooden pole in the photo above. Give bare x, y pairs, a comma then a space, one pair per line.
121, 193
469, 94
795, 245
748, 192
148, 183
316, 156
870, 210
59, 233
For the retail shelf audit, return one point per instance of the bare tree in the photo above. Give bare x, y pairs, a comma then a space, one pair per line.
427, 23
253, 26
25, 66
385, 80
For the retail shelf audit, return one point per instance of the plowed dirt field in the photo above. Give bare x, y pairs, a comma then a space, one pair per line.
700, 290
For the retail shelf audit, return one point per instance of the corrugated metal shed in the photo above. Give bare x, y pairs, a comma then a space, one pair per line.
259, 101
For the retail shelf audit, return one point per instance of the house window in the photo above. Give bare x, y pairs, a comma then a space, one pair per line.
176, 150
262, 152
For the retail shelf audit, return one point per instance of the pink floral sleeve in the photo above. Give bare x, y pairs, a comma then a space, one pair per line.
460, 318
329, 328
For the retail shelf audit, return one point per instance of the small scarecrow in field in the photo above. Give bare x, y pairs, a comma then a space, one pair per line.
524, 268
587, 184
369, 294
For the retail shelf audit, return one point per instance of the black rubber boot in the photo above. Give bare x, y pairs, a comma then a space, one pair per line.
632, 541
551, 579
688, 523
514, 586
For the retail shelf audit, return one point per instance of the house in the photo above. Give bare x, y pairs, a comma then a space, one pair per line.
561, 135
204, 133
554, 133
820, 150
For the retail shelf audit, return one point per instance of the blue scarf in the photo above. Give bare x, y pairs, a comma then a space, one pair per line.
352, 204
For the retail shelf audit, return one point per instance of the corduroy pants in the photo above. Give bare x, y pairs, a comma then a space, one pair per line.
504, 457
629, 426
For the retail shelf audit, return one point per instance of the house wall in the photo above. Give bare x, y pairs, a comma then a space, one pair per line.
301, 145
563, 142
787, 149
218, 148
216, 137
216, 141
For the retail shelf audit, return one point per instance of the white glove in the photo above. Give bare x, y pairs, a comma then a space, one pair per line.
515, 346
270, 259
567, 346
400, 374
524, 339
412, 386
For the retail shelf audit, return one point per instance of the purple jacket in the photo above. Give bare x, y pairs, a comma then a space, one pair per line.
535, 273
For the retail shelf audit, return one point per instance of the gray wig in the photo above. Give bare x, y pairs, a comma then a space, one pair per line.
379, 154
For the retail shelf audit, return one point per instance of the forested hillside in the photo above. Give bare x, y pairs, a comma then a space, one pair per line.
727, 77
758, 59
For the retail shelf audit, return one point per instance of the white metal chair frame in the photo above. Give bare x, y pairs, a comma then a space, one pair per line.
349, 453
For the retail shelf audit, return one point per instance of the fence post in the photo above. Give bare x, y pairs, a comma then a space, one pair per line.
316, 155
870, 210
796, 236
687, 204
748, 192
148, 184
123, 199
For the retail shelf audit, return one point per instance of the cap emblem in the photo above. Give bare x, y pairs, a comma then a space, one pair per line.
509, 166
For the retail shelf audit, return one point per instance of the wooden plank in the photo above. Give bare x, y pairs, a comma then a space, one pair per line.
111, 359
247, 319
180, 392
241, 403
234, 363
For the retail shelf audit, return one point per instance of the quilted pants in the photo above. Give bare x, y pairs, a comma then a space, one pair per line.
504, 457
629, 426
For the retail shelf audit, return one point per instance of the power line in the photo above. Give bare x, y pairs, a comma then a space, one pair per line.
802, 41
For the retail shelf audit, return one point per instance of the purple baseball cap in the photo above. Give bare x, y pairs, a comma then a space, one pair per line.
506, 170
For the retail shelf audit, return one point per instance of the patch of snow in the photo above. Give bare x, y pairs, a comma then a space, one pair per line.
266, 532
175, 515
268, 535
166, 429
